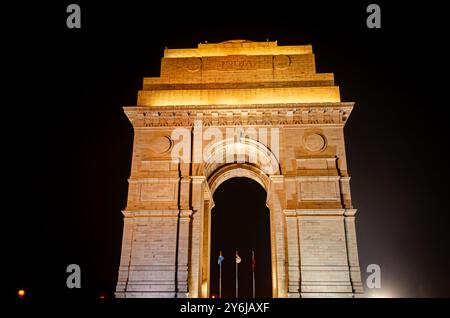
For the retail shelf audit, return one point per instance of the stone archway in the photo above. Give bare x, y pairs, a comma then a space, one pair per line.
240, 220
235, 170
257, 162
239, 108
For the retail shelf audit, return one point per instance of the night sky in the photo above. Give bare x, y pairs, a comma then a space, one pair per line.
70, 144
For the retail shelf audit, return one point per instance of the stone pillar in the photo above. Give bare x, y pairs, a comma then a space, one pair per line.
125, 257
293, 254
195, 279
149, 266
323, 253
206, 250
352, 250
181, 280
275, 195
184, 237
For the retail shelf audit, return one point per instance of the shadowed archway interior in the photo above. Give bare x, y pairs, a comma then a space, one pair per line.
240, 221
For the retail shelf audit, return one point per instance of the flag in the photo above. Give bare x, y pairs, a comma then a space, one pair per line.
238, 259
221, 258
253, 261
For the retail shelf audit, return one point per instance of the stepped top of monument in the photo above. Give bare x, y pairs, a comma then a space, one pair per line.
238, 47
237, 72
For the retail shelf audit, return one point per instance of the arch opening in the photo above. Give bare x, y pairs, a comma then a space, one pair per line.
240, 220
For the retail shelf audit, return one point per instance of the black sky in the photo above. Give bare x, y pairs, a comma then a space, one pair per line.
69, 143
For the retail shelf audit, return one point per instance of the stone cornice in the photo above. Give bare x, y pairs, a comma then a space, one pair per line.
314, 212
319, 212
157, 213
154, 180
318, 178
150, 213
350, 212
241, 115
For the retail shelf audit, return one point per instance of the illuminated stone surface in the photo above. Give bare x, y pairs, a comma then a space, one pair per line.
288, 136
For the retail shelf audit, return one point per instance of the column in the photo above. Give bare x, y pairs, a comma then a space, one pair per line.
352, 250
323, 253
277, 233
197, 201
293, 254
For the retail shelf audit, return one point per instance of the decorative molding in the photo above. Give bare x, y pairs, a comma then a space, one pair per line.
238, 115
314, 142
153, 180
157, 213
317, 178
151, 213
314, 212
350, 212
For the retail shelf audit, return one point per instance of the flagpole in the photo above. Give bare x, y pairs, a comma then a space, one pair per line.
237, 273
253, 284
221, 258
237, 280
253, 272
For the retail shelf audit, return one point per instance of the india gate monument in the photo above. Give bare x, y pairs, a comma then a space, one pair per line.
246, 109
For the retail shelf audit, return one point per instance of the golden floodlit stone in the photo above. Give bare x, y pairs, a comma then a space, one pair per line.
239, 109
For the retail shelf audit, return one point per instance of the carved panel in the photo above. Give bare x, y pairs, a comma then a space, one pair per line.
158, 192
319, 190
155, 166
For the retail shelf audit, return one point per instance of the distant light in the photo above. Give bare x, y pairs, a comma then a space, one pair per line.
213, 296
381, 294
21, 293
102, 295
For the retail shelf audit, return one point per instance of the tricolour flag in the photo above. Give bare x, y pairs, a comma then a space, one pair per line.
238, 259
221, 258
253, 261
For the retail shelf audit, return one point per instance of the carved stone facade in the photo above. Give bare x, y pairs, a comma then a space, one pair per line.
244, 109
